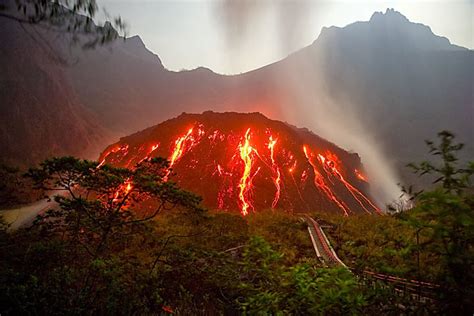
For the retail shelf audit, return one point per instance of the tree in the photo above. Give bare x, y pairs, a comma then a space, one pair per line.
100, 202
94, 251
268, 286
9, 186
74, 17
15, 189
445, 215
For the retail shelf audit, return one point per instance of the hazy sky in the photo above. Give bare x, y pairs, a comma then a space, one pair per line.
233, 36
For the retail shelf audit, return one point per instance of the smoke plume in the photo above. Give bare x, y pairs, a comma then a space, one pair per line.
308, 102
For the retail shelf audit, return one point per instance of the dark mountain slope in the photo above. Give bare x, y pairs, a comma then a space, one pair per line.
40, 114
395, 78
407, 82
246, 161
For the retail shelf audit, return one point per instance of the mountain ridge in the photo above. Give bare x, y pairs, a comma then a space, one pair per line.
361, 77
273, 164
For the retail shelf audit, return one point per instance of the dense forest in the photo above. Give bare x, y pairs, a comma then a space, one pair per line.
126, 242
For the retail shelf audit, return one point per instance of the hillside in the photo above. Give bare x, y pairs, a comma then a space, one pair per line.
381, 83
249, 162
40, 112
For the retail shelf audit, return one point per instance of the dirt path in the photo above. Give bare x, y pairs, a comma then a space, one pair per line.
26, 214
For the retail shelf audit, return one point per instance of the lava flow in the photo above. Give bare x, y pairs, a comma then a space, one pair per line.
327, 163
178, 150
277, 178
360, 176
321, 184
236, 161
245, 184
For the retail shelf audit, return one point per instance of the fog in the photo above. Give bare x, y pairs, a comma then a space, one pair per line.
308, 103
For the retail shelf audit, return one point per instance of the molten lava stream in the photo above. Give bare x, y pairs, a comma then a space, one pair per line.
178, 151
179, 147
245, 184
326, 163
320, 184
113, 151
126, 187
277, 178
291, 170
360, 176
352, 189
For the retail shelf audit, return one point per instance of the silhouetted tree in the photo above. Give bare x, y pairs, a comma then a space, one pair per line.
74, 17
100, 202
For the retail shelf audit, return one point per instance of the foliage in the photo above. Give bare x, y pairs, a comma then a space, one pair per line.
15, 189
9, 186
74, 17
126, 242
93, 249
102, 202
287, 233
270, 287
446, 216
381, 244
432, 241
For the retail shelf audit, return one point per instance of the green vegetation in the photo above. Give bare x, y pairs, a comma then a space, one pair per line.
126, 242
433, 241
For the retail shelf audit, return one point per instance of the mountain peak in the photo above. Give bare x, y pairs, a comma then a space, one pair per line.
390, 14
135, 46
390, 30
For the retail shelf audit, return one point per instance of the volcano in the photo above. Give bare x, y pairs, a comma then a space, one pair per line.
247, 162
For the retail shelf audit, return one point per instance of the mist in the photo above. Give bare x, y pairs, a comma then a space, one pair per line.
306, 101
341, 123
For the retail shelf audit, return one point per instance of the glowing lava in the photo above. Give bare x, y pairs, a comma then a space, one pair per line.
245, 184
126, 187
277, 178
122, 148
331, 165
234, 167
360, 176
320, 184
179, 147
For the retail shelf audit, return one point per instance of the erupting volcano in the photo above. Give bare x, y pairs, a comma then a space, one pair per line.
248, 162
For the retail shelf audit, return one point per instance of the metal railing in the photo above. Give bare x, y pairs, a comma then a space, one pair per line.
418, 290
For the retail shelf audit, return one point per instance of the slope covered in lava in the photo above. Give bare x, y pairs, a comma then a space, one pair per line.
247, 162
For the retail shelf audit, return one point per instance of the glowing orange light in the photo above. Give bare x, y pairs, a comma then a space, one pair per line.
128, 188
178, 150
245, 184
179, 147
219, 169
235, 178
277, 178
360, 176
331, 166
321, 184
123, 148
